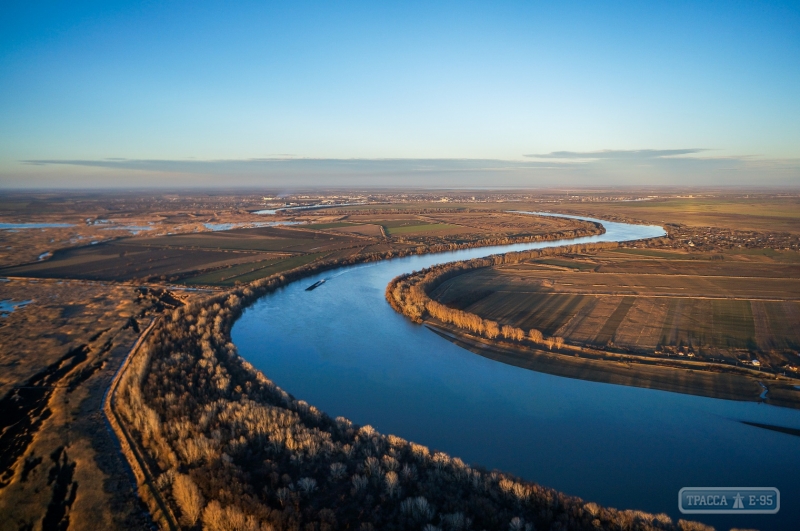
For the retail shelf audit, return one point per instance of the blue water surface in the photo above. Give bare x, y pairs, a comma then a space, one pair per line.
343, 349
17, 226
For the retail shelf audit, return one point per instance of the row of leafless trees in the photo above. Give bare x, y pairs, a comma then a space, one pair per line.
232, 451
409, 295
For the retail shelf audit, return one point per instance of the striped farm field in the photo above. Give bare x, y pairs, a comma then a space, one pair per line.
731, 306
251, 272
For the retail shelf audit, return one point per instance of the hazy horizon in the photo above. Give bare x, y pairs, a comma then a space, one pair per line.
509, 94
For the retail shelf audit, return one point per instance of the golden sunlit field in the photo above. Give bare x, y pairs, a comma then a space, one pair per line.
730, 306
756, 212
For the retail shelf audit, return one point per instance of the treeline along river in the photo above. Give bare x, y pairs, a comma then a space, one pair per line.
343, 349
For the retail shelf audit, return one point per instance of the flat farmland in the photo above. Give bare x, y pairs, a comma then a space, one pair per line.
759, 212
366, 229
259, 239
215, 258
126, 261
400, 227
498, 221
460, 223
736, 307
226, 257
251, 271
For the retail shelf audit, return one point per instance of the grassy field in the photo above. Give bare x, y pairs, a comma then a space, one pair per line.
219, 276
741, 307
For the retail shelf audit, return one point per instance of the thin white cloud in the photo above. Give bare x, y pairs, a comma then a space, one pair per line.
649, 167
618, 154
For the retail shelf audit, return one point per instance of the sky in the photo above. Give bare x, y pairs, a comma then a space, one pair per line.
439, 94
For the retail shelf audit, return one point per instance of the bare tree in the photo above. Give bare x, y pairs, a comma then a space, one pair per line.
535, 335
188, 497
307, 485
392, 484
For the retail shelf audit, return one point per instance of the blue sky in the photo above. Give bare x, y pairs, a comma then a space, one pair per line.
523, 94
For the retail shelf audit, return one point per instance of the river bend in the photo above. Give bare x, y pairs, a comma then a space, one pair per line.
343, 349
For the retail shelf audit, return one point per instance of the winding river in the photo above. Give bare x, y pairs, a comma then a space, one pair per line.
342, 348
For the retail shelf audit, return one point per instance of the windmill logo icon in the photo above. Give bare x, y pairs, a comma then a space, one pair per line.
737, 501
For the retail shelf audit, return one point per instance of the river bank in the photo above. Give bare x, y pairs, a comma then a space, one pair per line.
636, 371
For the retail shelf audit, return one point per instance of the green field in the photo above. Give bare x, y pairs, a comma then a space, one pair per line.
229, 277
399, 228
220, 275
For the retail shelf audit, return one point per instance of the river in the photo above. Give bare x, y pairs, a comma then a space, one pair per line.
342, 348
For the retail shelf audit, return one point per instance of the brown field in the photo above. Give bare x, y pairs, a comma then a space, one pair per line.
224, 258
58, 462
759, 212
738, 308
233, 253
126, 261
258, 239
737, 211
